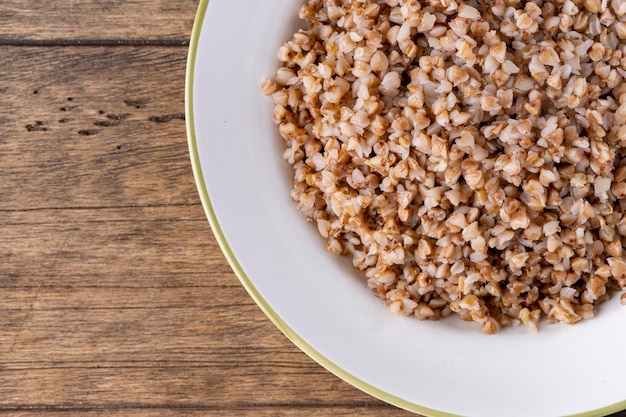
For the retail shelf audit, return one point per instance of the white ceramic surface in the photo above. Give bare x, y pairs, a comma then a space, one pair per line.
435, 368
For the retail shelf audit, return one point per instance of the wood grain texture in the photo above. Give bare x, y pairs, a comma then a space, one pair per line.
93, 127
271, 411
137, 246
96, 21
114, 296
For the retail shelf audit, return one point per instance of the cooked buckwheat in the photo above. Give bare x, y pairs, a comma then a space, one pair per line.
469, 156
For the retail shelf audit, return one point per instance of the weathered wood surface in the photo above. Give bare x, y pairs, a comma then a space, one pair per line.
245, 411
96, 21
114, 296
93, 127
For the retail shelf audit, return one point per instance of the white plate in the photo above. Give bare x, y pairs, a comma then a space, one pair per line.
433, 368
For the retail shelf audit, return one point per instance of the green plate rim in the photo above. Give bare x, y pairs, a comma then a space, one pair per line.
247, 283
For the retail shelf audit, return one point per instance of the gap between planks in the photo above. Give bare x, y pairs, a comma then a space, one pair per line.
94, 42
104, 207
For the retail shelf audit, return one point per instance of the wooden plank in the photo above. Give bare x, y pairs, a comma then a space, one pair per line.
271, 411
33, 339
206, 294
276, 411
157, 358
135, 306
96, 20
168, 246
93, 127
174, 386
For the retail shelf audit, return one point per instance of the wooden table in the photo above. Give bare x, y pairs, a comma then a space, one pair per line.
114, 296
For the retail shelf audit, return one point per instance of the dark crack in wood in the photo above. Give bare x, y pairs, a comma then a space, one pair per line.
167, 118
89, 132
